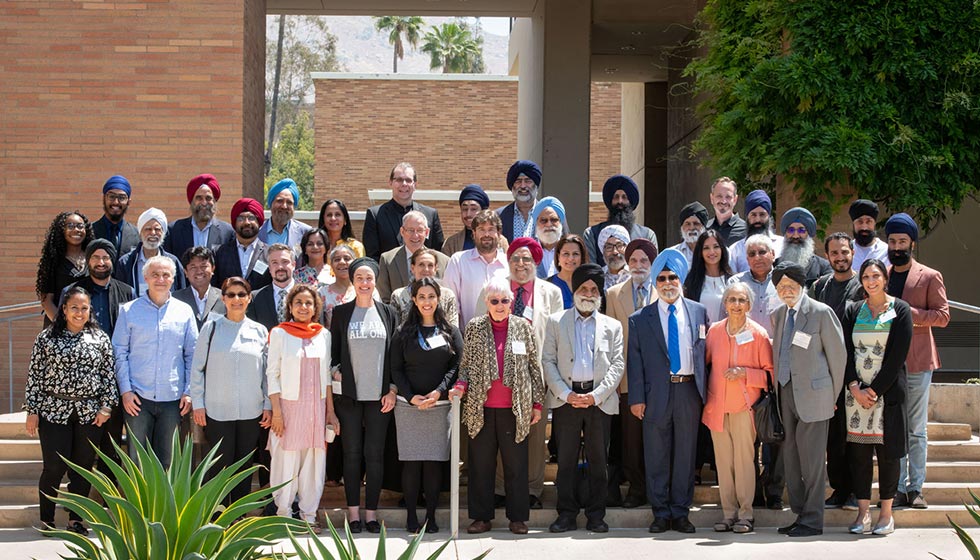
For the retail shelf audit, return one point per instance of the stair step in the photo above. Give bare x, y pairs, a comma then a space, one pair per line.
20, 449
12, 426
947, 431
20, 470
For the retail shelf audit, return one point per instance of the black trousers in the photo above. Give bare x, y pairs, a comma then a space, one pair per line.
770, 479
499, 427
573, 426
263, 457
838, 467
860, 458
419, 475
630, 448
111, 431
235, 439
73, 441
365, 431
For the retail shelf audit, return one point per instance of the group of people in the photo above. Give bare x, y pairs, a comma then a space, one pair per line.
330, 360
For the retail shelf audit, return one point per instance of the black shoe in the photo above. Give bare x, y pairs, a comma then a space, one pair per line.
77, 527
660, 525
683, 525
916, 501
631, 501
534, 502
901, 501
835, 501
430, 526
270, 510
499, 501
759, 501
47, 526
804, 531
597, 526
355, 526
373, 527
786, 530
563, 524
774, 503
851, 503
413, 527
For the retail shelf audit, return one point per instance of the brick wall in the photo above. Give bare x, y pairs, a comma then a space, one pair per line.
604, 141
157, 91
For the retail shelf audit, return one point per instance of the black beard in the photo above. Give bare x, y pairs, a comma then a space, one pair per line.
623, 216
899, 257
755, 229
101, 275
864, 237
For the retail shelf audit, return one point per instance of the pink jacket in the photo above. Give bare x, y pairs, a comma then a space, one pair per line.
925, 293
755, 356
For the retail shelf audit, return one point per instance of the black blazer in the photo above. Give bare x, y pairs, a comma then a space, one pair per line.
891, 381
126, 271
262, 310
226, 265
119, 293
130, 236
180, 236
340, 351
212, 304
507, 220
383, 222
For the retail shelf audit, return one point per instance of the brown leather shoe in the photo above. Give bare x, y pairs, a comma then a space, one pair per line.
478, 527
518, 527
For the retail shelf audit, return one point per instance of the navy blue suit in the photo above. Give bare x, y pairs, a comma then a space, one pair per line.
125, 271
673, 410
180, 236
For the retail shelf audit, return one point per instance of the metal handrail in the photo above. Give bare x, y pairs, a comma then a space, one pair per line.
19, 306
10, 340
964, 307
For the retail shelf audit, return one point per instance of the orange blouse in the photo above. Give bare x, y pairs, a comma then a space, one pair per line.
722, 352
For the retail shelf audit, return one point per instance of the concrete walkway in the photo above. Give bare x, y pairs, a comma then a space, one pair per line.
621, 544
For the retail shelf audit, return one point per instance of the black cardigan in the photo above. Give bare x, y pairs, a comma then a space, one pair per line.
340, 351
891, 381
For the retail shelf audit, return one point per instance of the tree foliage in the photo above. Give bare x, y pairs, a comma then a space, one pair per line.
292, 156
453, 48
880, 97
398, 26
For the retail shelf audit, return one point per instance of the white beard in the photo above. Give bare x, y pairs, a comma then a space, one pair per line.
691, 236
639, 278
548, 237
798, 253
586, 305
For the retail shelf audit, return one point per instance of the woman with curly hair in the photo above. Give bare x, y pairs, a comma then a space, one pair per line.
62, 259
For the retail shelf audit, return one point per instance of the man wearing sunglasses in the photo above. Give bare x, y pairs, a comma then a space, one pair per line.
799, 229
665, 368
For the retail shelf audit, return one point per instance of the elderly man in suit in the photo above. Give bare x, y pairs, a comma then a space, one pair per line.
582, 360
925, 292
245, 254
203, 298
383, 222
621, 195
116, 197
809, 354
665, 365
281, 227
534, 300
395, 265
201, 228
626, 443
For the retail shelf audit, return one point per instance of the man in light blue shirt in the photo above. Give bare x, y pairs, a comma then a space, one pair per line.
154, 344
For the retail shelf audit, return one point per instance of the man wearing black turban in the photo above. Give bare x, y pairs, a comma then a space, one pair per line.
867, 245
621, 195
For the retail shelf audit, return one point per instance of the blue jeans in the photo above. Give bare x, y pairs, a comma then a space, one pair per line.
912, 468
154, 426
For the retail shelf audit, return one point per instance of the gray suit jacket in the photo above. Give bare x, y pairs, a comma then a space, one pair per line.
557, 359
212, 304
393, 273
817, 371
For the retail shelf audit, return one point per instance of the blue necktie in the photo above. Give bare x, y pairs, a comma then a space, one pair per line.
785, 347
673, 340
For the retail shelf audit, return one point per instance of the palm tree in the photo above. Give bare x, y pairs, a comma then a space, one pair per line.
410, 27
451, 47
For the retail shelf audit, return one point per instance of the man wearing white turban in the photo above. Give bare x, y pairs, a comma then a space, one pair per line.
152, 227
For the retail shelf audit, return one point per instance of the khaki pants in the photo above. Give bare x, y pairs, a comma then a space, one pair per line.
537, 454
735, 459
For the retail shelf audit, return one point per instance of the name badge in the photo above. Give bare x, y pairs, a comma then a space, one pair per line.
436, 341
260, 267
518, 348
887, 316
528, 313
335, 387
744, 337
88, 339
702, 332
801, 339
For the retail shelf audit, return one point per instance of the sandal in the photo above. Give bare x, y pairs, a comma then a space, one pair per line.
743, 526
724, 525
316, 528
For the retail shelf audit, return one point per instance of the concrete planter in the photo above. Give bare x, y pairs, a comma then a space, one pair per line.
955, 402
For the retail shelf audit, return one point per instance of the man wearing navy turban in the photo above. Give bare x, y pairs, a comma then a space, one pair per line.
116, 193
282, 201
524, 182
621, 196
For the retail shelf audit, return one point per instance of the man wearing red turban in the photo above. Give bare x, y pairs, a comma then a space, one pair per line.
245, 254
201, 228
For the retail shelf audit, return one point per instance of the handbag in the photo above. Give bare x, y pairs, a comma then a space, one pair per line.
768, 422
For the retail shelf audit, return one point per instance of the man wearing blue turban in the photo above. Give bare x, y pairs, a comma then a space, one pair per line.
116, 193
667, 383
283, 199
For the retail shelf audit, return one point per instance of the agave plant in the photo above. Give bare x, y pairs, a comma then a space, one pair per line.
317, 550
965, 538
159, 513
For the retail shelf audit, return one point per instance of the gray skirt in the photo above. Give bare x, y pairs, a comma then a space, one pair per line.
423, 435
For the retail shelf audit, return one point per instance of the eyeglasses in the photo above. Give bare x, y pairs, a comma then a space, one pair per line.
246, 218
754, 254
618, 247
668, 278
519, 259
235, 295
737, 300
117, 197
420, 231
403, 180
71, 226
504, 301
796, 231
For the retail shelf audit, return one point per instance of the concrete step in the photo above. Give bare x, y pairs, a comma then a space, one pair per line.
20, 449
20, 470
941, 431
12, 426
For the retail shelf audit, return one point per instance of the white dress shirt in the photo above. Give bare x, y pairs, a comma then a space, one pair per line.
466, 274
